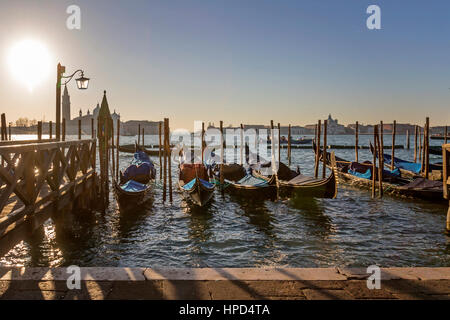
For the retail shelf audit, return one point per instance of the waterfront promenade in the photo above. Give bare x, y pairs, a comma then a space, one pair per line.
224, 284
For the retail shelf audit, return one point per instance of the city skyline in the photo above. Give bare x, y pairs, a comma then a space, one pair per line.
238, 62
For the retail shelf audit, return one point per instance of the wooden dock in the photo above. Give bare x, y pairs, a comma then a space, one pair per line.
40, 180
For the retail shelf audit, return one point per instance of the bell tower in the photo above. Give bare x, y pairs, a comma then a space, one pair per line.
66, 104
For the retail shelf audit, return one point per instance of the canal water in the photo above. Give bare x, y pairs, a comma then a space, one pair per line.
352, 230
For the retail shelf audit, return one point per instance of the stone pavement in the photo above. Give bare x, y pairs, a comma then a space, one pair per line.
224, 283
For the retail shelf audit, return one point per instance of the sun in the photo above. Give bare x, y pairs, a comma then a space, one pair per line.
29, 62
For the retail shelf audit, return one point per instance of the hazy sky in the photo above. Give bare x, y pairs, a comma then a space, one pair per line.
238, 61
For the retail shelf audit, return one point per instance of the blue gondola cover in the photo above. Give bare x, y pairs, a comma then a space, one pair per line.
190, 184
133, 186
141, 165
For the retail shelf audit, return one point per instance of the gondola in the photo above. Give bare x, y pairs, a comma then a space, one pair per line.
133, 187
436, 150
294, 184
359, 175
439, 137
243, 182
194, 183
283, 140
408, 169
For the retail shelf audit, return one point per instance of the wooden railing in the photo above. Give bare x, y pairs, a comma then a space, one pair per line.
31, 175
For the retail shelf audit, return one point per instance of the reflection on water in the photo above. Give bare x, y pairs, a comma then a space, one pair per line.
352, 230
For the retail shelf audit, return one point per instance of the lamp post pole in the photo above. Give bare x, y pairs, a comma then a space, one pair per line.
60, 71
82, 83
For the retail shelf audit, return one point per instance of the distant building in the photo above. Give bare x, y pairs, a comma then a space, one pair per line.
333, 127
66, 105
86, 120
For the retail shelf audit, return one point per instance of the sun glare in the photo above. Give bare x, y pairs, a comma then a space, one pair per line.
29, 62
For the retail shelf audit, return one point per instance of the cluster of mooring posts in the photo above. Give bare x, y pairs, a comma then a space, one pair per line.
46, 178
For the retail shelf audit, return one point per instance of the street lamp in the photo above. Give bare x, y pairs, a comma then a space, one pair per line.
82, 84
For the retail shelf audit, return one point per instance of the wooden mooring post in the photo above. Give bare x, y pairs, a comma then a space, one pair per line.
374, 161
222, 153
325, 126
380, 163
241, 144
139, 135
394, 129
202, 143
79, 129
381, 131
415, 143
407, 139
420, 144
356, 141
104, 135
445, 135
279, 141
165, 163
50, 130
169, 156
427, 147
39, 131
316, 165
160, 155
117, 149
3, 127
113, 156
289, 145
